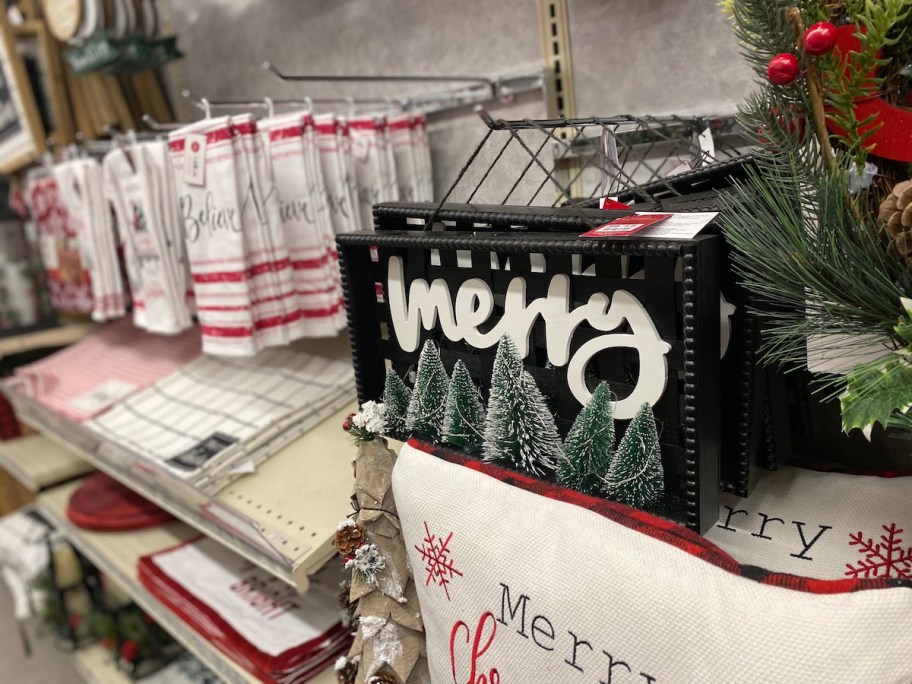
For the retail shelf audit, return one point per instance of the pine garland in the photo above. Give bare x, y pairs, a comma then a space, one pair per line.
806, 240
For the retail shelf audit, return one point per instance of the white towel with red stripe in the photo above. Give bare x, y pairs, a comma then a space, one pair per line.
240, 267
305, 219
375, 171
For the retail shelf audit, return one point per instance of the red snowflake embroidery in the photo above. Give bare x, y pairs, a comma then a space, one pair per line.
884, 559
435, 554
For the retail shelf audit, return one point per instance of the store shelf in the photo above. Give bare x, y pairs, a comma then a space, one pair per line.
282, 517
51, 337
38, 462
116, 554
96, 666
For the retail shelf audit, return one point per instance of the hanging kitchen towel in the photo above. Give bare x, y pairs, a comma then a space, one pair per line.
69, 283
325, 221
84, 379
524, 581
207, 180
824, 524
304, 216
159, 160
276, 308
132, 189
371, 156
257, 620
405, 155
333, 140
334, 147
81, 186
423, 158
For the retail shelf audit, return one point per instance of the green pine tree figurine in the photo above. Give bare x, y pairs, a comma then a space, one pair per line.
396, 397
464, 416
635, 476
425, 410
587, 451
519, 429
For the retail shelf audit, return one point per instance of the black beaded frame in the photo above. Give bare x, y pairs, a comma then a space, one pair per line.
688, 319
745, 438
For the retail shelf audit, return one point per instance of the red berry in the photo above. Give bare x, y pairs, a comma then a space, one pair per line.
108, 643
820, 38
75, 619
346, 426
350, 416
782, 69
128, 650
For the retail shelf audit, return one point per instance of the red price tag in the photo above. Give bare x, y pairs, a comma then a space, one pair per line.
625, 225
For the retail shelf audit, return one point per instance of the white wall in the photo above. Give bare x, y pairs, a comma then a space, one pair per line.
630, 56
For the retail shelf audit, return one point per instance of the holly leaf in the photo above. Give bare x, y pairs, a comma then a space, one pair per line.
875, 391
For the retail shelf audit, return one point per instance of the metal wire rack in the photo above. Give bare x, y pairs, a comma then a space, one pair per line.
570, 162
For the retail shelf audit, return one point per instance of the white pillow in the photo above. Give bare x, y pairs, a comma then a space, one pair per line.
544, 590
822, 524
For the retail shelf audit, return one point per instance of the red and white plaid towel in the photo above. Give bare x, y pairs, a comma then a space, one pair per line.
86, 378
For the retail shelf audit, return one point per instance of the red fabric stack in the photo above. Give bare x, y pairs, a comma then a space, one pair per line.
103, 504
255, 619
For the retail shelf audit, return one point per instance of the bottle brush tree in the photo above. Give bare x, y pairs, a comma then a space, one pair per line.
464, 416
635, 476
396, 397
519, 429
425, 411
588, 449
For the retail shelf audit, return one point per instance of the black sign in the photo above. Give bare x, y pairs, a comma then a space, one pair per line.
580, 310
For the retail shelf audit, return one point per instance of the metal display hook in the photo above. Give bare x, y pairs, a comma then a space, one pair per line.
397, 78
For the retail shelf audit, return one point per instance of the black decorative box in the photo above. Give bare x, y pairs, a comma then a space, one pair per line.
571, 305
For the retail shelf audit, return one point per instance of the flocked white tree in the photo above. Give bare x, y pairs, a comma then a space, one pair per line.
425, 411
519, 429
396, 397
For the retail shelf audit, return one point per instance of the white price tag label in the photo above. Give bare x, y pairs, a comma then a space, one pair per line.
195, 159
102, 396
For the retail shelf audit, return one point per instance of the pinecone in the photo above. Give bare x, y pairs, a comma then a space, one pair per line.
896, 214
348, 673
349, 538
383, 678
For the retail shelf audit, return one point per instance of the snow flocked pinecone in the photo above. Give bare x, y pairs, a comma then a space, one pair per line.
347, 672
349, 537
383, 677
896, 213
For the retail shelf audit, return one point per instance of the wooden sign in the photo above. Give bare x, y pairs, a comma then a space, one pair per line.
574, 309
21, 133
